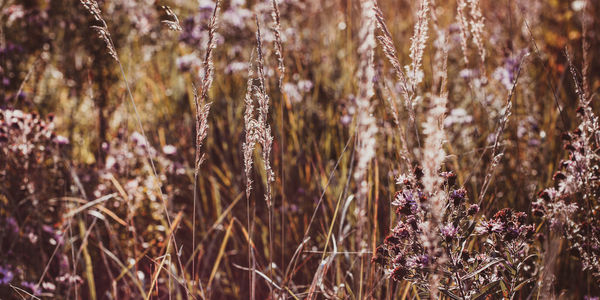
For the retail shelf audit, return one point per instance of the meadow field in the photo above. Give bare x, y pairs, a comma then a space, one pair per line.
299, 149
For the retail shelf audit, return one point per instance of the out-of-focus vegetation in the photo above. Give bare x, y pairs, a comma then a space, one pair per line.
93, 207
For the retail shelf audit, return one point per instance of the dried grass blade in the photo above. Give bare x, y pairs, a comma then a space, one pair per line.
220, 254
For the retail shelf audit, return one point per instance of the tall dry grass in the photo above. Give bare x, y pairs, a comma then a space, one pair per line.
390, 150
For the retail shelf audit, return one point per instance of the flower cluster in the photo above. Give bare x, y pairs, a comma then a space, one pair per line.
33, 171
501, 258
128, 158
571, 206
506, 74
507, 225
28, 145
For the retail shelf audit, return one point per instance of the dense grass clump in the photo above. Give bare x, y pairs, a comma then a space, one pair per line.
286, 149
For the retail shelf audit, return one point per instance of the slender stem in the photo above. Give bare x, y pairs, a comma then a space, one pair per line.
194, 229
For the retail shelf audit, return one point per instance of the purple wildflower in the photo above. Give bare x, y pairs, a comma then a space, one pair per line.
6, 275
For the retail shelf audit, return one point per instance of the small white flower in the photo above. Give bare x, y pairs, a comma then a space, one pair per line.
169, 149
